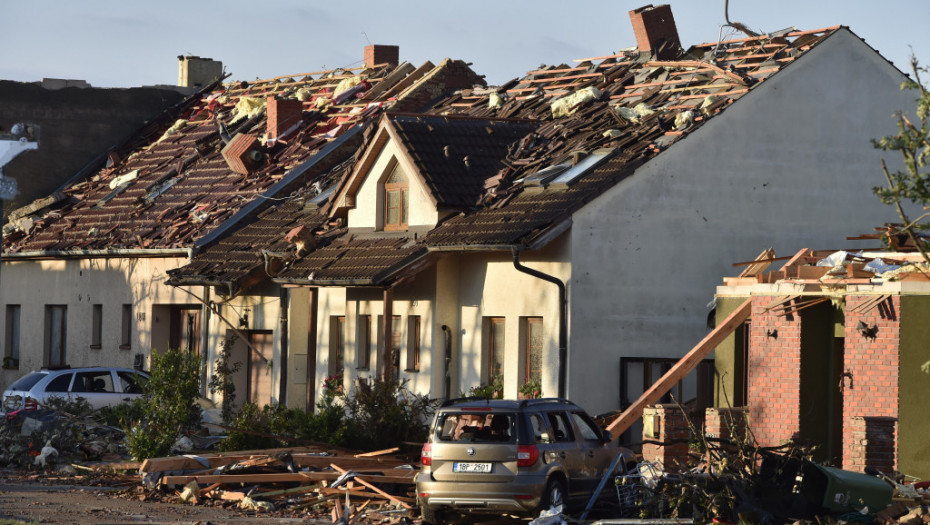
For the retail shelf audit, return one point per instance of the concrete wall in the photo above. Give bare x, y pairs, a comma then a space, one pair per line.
789, 166
76, 125
79, 284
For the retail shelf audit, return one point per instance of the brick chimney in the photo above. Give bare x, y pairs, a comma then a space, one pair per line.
656, 32
243, 153
377, 54
283, 116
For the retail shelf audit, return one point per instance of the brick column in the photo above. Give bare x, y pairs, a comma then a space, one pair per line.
870, 382
774, 374
725, 424
873, 444
667, 423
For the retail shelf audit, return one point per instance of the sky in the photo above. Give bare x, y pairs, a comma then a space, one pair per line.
128, 43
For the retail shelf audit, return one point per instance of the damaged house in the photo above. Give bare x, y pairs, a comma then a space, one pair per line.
834, 353
553, 231
83, 272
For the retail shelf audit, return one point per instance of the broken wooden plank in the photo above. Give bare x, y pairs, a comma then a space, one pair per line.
681, 368
283, 477
377, 453
374, 488
761, 263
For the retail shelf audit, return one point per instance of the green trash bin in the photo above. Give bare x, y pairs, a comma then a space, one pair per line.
838, 491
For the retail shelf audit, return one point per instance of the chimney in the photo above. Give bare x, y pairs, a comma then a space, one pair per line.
283, 116
377, 54
243, 153
656, 32
197, 72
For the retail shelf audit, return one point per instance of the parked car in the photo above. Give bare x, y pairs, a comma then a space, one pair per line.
99, 386
512, 456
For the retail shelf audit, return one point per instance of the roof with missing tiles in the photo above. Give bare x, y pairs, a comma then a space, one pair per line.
174, 188
620, 110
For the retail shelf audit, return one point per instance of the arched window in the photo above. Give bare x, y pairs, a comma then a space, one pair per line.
396, 201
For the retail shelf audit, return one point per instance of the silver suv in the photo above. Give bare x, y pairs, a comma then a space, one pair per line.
512, 456
99, 386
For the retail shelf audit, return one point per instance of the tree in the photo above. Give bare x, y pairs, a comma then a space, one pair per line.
912, 142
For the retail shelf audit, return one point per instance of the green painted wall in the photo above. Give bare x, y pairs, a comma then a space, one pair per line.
728, 363
914, 384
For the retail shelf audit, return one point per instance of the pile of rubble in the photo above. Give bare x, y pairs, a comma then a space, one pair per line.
40, 438
307, 482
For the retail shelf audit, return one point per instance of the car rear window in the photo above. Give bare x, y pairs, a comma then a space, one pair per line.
479, 427
27, 382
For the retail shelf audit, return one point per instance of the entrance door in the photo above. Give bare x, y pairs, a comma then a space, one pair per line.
260, 367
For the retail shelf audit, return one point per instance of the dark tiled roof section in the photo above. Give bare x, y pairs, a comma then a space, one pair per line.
458, 155
351, 260
638, 103
183, 188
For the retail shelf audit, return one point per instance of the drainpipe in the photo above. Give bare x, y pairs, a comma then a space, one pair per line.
285, 304
563, 315
447, 363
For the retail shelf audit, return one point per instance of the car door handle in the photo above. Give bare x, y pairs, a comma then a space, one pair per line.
590, 453
562, 454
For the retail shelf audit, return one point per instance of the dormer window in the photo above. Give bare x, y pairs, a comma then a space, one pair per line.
396, 200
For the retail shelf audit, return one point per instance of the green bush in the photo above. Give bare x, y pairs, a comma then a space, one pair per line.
377, 414
492, 390
168, 405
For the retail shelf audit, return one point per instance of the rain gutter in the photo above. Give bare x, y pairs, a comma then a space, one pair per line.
110, 252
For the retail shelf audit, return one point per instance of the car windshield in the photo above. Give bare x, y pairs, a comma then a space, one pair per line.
479, 427
29, 381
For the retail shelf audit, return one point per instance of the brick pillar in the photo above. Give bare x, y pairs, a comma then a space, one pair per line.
774, 374
725, 424
873, 444
870, 381
666, 423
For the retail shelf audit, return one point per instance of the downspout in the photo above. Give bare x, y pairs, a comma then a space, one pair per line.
447, 363
563, 315
285, 304
204, 338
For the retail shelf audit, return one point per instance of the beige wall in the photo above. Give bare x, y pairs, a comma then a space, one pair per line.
79, 284
368, 209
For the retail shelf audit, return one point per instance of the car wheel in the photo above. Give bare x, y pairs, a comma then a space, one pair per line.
554, 495
432, 516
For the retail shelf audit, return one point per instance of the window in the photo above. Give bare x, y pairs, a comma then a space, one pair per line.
540, 429
11, 338
396, 200
337, 340
532, 348
56, 331
97, 382
96, 327
561, 427
126, 328
585, 427
363, 357
59, 384
494, 341
413, 343
131, 383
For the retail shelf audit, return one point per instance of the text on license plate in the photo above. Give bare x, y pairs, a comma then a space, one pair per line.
471, 467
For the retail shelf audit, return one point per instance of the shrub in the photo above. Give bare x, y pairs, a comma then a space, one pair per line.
168, 404
492, 390
221, 380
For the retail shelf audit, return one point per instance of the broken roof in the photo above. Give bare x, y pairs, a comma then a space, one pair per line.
597, 123
180, 188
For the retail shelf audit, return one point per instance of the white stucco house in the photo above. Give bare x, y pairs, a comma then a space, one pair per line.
629, 183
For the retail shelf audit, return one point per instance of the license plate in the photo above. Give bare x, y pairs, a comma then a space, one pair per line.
471, 467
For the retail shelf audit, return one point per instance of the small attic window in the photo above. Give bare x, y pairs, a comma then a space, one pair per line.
543, 176
396, 200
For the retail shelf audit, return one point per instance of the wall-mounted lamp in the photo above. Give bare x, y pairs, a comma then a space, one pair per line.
867, 331
772, 332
